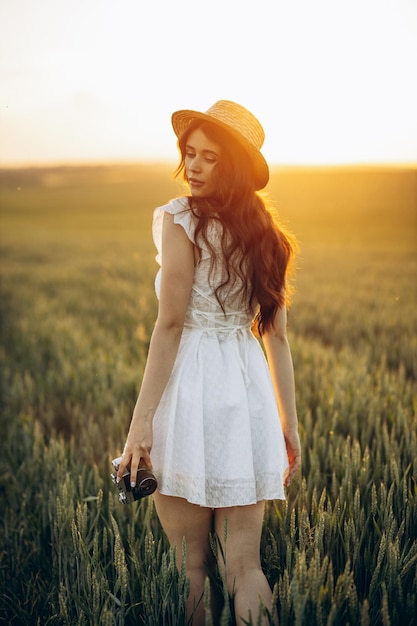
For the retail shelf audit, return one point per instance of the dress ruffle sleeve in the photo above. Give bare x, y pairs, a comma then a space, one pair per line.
180, 209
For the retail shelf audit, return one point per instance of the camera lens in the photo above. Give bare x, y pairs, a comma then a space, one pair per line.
147, 485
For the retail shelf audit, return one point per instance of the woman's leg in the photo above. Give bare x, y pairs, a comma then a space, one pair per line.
244, 575
180, 519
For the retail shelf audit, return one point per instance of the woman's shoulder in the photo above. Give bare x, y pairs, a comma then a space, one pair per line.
181, 210
175, 206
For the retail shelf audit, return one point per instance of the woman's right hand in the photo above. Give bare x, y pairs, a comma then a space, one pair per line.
292, 442
136, 452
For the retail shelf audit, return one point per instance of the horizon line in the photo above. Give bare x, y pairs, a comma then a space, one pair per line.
70, 163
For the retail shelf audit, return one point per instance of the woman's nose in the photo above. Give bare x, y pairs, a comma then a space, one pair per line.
194, 165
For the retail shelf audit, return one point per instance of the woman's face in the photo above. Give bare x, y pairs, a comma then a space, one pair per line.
201, 157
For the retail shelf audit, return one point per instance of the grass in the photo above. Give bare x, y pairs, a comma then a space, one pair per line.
77, 307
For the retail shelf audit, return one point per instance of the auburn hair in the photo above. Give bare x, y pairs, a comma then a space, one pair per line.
255, 246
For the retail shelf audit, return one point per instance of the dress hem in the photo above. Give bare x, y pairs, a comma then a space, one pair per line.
208, 505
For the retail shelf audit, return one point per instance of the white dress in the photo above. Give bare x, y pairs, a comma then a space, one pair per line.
217, 438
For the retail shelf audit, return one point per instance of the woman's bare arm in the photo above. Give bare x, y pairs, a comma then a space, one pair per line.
282, 372
176, 282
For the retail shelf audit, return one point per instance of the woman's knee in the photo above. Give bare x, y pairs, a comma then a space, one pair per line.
240, 571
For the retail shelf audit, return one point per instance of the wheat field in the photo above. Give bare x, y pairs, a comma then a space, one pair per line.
77, 307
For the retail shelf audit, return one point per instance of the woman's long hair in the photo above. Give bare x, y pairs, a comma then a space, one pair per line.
255, 247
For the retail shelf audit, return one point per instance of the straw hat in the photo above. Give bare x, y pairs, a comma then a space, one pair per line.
237, 121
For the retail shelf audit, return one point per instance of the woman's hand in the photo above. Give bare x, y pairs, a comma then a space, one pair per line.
137, 448
292, 442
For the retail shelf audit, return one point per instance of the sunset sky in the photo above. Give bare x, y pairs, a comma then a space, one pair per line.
97, 80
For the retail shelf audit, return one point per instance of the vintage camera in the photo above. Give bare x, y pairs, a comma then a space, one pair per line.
146, 483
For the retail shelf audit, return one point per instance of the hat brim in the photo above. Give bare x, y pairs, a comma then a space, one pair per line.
181, 120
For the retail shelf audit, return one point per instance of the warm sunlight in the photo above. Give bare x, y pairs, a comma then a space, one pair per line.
98, 80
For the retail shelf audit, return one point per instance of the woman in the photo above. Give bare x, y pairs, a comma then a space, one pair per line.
206, 417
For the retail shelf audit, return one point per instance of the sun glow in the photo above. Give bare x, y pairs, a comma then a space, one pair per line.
98, 80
